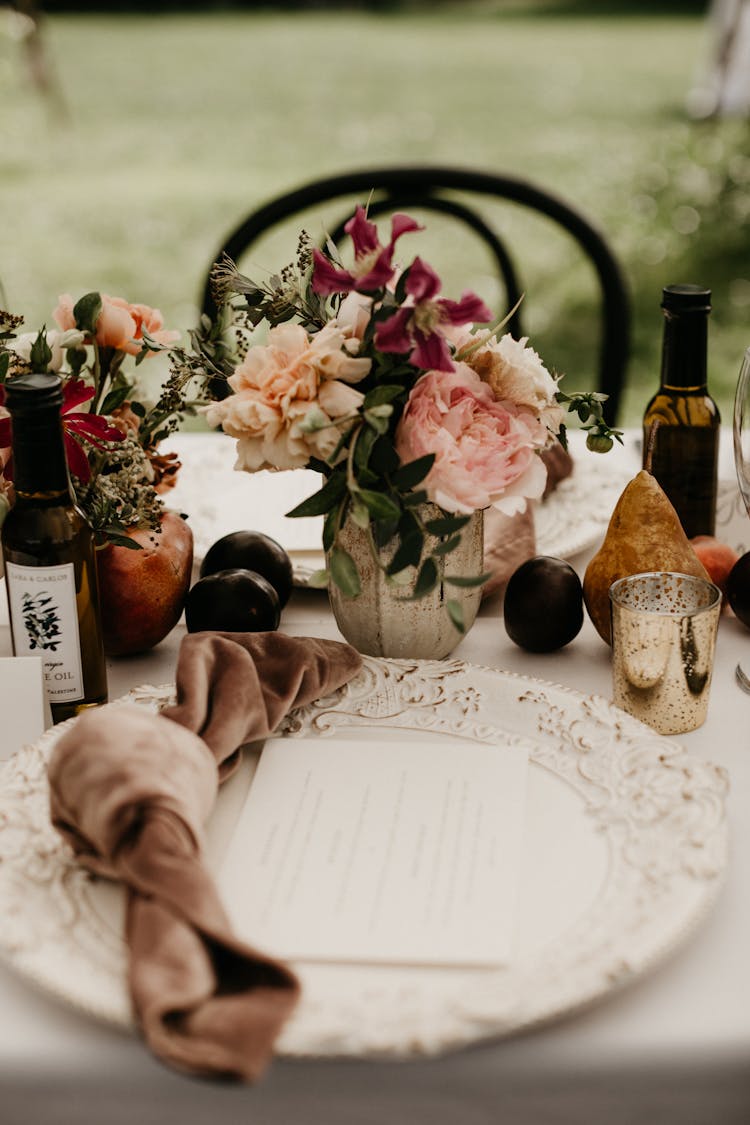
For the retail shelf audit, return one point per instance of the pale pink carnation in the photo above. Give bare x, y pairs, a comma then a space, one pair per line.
515, 373
486, 452
278, 386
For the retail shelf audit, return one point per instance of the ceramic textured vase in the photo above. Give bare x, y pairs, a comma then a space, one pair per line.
142, 592
382, 622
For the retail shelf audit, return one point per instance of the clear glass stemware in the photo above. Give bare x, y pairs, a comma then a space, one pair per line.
741, 435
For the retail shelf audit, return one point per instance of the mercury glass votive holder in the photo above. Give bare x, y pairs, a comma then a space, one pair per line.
663, 642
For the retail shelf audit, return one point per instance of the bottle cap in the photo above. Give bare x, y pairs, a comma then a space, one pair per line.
34, 391
686, 298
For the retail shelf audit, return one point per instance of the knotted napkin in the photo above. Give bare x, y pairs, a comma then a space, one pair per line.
131, 791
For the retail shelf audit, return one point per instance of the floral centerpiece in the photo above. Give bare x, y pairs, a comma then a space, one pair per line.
112, 432
415, 417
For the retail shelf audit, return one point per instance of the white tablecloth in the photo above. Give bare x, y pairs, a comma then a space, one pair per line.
673, 1047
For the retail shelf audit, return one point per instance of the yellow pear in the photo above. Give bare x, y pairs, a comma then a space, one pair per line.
644, 534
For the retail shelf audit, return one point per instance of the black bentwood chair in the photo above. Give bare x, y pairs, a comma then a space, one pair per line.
440, 189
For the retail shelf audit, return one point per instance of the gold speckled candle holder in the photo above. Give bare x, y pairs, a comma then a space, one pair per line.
663, 641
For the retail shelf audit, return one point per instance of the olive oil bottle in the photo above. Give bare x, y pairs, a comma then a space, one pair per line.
48, 550
681, 422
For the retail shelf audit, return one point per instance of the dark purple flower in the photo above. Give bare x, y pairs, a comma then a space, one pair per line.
373, 263
416, 327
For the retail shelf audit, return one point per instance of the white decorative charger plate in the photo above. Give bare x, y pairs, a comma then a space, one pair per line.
625, 850
218, 500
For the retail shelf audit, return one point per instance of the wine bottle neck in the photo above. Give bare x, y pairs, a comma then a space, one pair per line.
684, 351
40, 469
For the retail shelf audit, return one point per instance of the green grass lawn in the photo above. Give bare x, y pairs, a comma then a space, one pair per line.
176, 126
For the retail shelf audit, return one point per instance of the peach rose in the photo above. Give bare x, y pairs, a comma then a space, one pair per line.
119, 325
152, 321
486, 452
287, 397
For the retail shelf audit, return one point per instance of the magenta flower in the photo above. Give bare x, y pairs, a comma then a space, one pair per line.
373, 263
77, 426
416, 327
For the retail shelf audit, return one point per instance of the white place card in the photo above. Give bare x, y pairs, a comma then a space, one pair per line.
380, 851
22, 702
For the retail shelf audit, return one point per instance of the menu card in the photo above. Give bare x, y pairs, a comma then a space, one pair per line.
380, 851
22, 702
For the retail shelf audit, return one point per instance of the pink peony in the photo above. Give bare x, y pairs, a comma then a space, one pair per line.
486, 452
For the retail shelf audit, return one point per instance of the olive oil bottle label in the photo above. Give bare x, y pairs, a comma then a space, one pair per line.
44, 621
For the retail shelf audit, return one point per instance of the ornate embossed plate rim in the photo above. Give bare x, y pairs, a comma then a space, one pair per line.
661, 811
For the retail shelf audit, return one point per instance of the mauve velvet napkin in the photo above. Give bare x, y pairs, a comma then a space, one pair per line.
131, 792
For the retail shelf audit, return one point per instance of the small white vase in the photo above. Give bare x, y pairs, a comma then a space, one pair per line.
382, 622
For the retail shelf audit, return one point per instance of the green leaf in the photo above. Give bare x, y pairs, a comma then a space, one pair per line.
318, 580
330, 527
319, 466
414, 499
456, 614
413, 472
86, 312
408, 524
359, 512
399, 580
115, 398
323, 500
138, 408
4, 365
447, 546
426, 579
400, 293
384, 459
379, 505
467, 580
446, 525
117, 539
383, 531
344, 572
363, 448
383, 393
408, 553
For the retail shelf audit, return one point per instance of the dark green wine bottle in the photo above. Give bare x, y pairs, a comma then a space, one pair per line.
48, 551
681, 422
